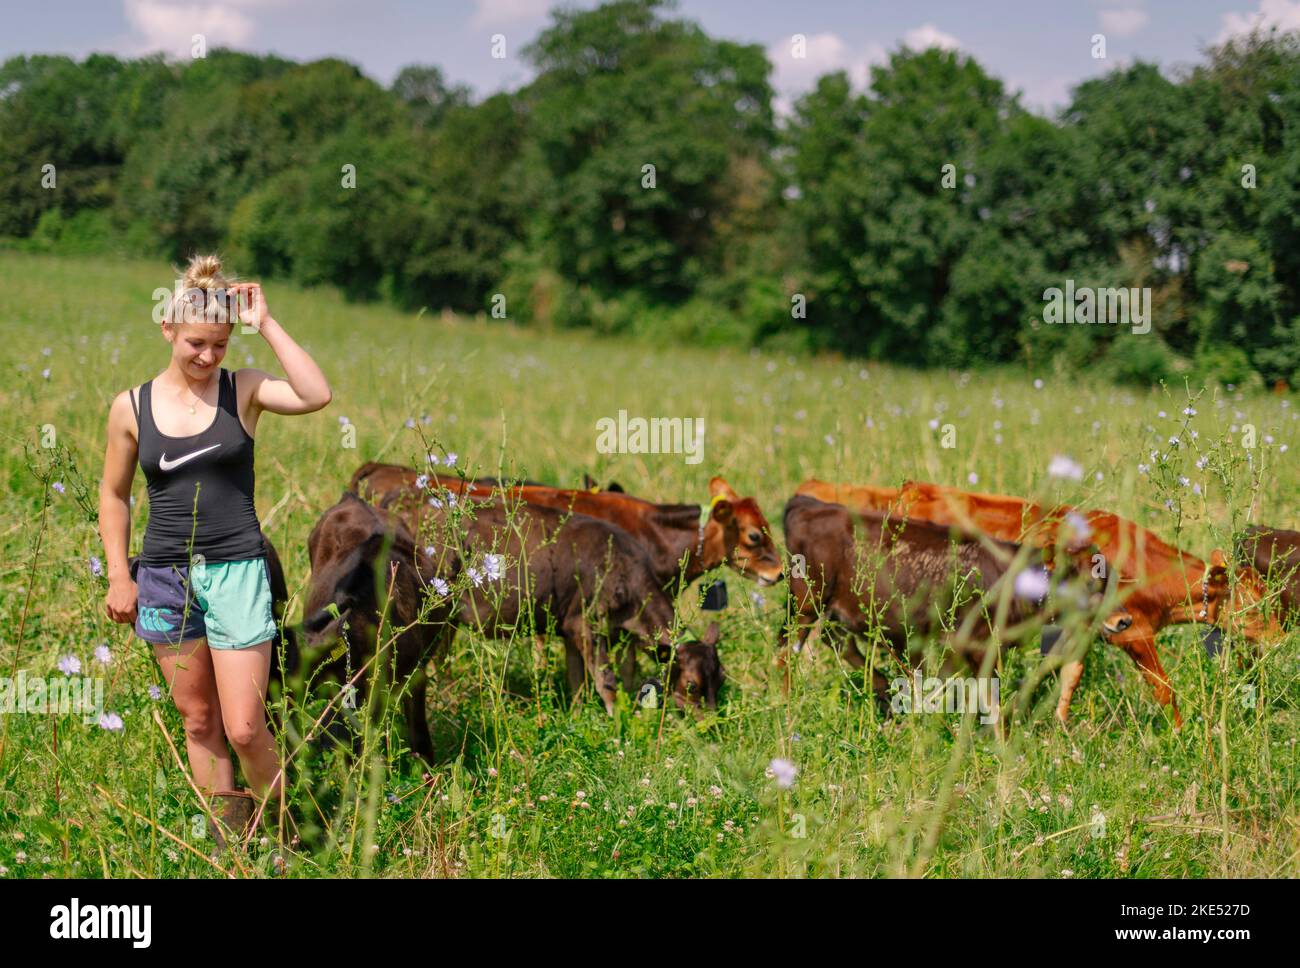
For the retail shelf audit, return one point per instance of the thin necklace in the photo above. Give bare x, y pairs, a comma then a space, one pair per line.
200, 397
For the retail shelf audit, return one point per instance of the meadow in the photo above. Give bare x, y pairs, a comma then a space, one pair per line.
525, 785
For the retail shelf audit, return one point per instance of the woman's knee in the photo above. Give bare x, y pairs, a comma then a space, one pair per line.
248, 733
202, 719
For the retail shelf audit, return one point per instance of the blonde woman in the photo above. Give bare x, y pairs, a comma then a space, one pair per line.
201, 596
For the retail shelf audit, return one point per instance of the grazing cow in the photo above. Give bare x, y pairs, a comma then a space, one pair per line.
684, 540
1274, 553
586, 576
867, 570
696, 673
1162, 585
345, 548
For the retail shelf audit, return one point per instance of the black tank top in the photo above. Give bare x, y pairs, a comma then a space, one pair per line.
218, 464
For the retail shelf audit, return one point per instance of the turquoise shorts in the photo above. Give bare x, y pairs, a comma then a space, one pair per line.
229, 602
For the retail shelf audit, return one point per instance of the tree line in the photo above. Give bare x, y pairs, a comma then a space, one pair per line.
642, 183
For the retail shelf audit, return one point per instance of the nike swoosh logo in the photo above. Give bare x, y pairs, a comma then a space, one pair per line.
166, 465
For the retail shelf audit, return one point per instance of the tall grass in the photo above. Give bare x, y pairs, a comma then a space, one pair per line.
526, 785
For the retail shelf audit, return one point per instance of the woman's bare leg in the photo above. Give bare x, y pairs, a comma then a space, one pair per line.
241, 676
188, 672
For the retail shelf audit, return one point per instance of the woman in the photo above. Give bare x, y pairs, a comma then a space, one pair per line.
202, 595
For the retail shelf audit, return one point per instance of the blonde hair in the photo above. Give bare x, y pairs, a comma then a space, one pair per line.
203, 296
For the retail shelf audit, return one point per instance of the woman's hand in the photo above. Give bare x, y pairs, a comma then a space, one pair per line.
121, 599
252, 307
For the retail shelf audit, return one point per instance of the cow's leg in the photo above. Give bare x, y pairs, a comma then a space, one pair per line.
803, 620
594, 656
574, 668
1143, 652
844, 642
627, 665
1071, 673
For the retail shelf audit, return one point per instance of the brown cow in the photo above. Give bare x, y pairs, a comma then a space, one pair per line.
585, 575
345, 548
868, 571
1162, 585
684, 540
1274, 553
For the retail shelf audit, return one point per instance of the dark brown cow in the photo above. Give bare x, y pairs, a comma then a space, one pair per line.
696, 673
1274, 553
345, 548
586, 576
865, 570
1161, 585
684, 540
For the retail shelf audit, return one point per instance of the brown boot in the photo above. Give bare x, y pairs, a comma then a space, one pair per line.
233, 810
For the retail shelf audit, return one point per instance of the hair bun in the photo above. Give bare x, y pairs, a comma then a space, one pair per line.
204, 272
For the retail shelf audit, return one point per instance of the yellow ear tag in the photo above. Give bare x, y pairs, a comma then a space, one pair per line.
706, 511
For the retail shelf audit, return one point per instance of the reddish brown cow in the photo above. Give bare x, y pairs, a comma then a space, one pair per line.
1162, 585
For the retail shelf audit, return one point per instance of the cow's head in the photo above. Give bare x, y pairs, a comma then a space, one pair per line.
1234, 602
346, 549
745, 535
696, 673
1082, 577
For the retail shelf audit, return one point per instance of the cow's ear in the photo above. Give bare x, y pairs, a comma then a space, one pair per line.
317, 620
719, 486
1217, 573
711, 634
723, 512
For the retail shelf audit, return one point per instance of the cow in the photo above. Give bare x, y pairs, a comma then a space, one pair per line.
345, 609
696, 672
1162, 584
867, 570
684, 540
585, 575
1274, 553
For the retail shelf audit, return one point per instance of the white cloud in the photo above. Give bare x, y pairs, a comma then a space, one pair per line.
928, 35
169, 25
1124, 22
1043, 94
1283, 14
499, 13
822, 53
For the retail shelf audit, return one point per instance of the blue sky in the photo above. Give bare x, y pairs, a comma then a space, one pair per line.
1041, 47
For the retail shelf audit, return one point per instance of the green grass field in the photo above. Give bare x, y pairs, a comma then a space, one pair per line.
526, 786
